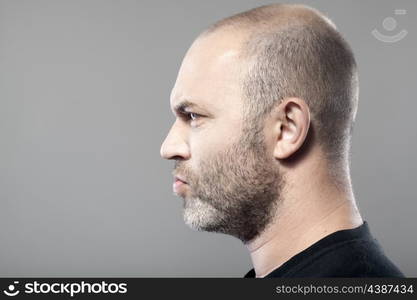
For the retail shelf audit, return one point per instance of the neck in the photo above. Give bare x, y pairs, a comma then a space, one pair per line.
310, 211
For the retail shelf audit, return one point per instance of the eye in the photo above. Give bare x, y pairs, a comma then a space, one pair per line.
190, 117
193, 116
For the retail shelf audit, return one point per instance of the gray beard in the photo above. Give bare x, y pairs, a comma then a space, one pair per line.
236, 191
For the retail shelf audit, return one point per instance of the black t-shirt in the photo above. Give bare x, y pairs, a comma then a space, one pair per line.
344, 253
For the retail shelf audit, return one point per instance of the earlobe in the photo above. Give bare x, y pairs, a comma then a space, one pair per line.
292, 127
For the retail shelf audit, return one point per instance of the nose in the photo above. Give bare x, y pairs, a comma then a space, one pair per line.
175, 145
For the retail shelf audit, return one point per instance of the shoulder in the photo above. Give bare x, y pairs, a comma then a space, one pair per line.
353, 258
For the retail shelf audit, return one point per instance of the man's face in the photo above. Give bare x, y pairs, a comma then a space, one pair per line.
232, 182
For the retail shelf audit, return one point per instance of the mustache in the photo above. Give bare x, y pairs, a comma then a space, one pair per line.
181, 169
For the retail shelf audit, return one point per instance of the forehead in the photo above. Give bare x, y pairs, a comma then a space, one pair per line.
210, 73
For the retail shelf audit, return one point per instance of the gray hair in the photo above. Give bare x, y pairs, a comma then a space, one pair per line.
295, 51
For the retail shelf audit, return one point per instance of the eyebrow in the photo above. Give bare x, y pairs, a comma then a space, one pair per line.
182, 107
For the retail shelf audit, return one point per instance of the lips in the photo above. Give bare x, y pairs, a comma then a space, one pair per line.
179, 186
180, 178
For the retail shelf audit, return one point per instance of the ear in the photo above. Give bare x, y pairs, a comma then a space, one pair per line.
291, 126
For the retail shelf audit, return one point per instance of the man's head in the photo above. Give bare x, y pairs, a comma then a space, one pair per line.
265, 83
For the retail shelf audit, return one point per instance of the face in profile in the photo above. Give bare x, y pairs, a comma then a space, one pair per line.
231, 180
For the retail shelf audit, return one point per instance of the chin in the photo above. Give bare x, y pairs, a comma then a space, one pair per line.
198, 215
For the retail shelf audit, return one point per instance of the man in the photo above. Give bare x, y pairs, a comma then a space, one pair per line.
265, 102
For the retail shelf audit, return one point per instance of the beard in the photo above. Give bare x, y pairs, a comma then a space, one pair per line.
235, 191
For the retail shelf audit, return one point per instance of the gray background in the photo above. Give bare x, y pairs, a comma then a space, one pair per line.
84, 108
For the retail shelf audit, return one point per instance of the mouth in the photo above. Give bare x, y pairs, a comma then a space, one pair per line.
179, 186
180, 179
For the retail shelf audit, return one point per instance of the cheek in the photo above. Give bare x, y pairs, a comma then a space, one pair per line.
208, 145
201, 152
214, 137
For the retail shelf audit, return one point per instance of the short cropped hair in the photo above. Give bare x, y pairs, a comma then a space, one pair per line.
295, 51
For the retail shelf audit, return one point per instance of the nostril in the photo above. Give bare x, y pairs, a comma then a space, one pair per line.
177, 157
